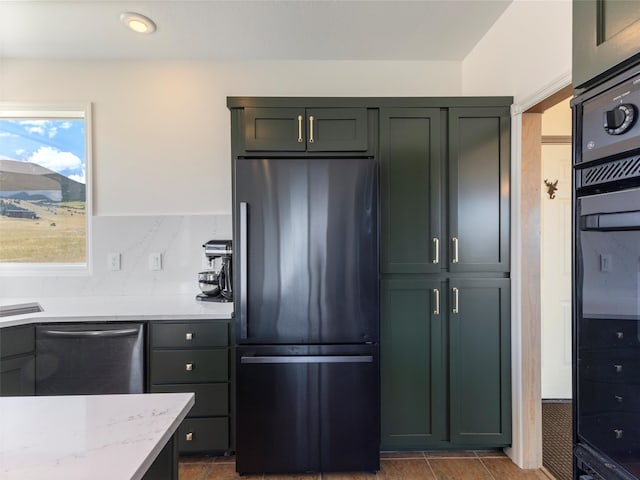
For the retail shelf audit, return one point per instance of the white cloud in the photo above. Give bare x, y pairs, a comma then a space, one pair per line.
38, 130
20, 151
65, 125
77, 178
7, 134
40, 127
55, 160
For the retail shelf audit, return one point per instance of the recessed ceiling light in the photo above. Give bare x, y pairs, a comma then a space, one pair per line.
138, 23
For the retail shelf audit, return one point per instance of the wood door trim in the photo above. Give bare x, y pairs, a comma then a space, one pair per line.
531, 181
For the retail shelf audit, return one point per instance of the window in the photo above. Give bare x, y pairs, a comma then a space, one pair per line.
44, 188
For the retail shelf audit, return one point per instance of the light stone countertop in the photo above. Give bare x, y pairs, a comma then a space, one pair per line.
97, 437
115, 308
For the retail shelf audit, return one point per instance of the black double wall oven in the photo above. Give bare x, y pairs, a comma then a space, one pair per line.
607, 280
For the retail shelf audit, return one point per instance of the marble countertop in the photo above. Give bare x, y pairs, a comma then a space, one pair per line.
98, 437
115, 308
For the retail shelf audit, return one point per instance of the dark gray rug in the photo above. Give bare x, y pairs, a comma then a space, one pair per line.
556, 438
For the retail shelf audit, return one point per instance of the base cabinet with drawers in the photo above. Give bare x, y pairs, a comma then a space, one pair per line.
193, 356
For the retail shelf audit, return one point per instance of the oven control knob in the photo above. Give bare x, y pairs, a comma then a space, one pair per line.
620, 119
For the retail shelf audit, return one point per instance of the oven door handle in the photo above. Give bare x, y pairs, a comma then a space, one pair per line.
123, 332
611, 221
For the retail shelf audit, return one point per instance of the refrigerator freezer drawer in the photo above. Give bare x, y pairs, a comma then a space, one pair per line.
308, 413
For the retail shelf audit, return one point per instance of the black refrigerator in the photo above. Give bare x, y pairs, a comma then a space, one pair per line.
306, 315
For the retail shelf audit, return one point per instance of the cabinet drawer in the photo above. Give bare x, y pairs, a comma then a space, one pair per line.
596, 333
615, 365
189, 366
600, 397
189, 335
211, 398
16, 341
200, 435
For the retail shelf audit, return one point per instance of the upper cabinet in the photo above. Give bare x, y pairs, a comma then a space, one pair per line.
305, 130
606, 39
478, 184
410, 189
444, 189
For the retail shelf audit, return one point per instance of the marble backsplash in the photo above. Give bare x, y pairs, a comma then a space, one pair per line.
178, 238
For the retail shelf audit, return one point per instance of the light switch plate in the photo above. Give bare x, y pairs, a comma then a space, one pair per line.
155, 261
113, 261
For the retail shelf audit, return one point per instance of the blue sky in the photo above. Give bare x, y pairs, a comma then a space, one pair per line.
54, 144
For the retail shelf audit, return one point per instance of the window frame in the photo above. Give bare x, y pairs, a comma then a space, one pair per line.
58, 112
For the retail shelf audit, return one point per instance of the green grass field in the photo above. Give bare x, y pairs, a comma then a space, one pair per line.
56, 236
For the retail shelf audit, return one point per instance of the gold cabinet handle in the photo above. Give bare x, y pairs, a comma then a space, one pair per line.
188, 336
618, 368
455, 300
436, 294
619, 433
436, 250
300, 139
189, 437
188, 367
311, 139
456, 257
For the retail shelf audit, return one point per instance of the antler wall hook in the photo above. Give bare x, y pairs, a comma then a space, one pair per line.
551, 188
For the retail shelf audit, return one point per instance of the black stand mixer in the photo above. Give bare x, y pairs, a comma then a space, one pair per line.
216, 284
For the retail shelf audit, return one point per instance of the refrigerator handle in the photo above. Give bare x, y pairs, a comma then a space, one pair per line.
243, 270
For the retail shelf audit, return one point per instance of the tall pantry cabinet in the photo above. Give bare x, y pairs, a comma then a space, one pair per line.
445, 336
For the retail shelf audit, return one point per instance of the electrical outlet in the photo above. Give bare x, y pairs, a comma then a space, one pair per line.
113, 261
155, 261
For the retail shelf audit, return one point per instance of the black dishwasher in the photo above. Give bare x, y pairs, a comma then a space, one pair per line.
89, 358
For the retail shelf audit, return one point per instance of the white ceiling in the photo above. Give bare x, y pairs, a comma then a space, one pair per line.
248, 30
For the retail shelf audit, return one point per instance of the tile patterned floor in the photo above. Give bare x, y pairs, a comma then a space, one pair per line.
468, 465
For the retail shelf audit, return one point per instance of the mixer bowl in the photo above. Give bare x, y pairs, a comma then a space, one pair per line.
208, 282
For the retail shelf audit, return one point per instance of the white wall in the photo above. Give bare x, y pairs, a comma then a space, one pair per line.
528, 48
161, 129
162, 155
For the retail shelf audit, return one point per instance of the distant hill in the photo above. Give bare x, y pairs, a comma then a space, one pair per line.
25, 180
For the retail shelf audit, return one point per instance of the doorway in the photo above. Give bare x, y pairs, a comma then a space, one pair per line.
555, 289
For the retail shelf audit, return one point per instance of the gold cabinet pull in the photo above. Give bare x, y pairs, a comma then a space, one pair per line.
300, 139
436, 250
455, 300
619, 433
436, 294
311, 139
456, 257
618, 368
188, 367
188, 336
619, 335
189, 437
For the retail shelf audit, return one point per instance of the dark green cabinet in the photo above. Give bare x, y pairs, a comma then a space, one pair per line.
445, 342
606, 38
410, 190
17, 361
415, 154
478, 189
193, 356
445, 363
480, 361
413, 361
305, 129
